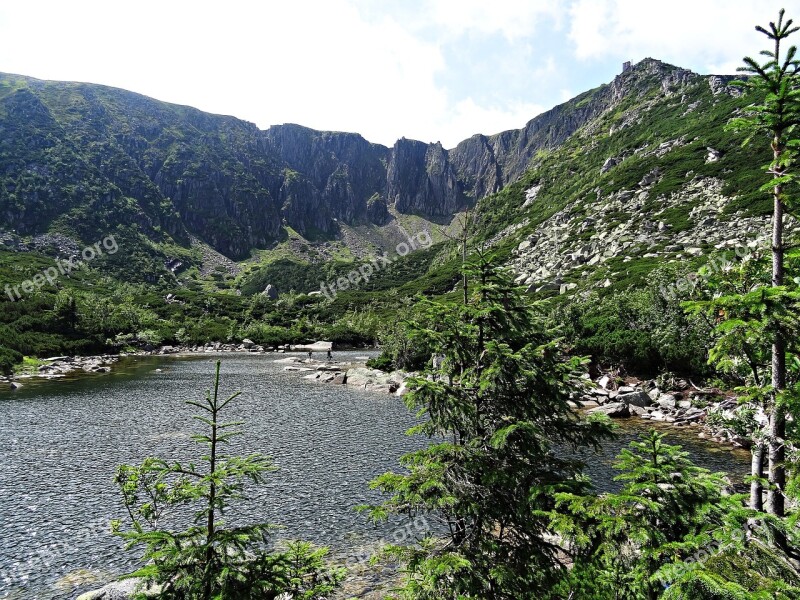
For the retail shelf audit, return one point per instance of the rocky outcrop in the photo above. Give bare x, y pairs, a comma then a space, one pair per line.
421, 180
570, 240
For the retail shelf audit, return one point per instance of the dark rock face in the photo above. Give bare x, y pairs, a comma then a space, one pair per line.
89, 157
421, 180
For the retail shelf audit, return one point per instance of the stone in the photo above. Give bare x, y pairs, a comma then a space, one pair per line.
667, 401
386, 388
121, 590
608, 164
15, 385
270, 292
364, 376
626, 389
567, 287
639, 399
615, 410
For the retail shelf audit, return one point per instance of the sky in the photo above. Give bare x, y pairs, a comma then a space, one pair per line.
433, 70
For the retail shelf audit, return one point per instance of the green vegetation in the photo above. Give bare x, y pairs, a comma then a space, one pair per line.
671, 532
495, 404
768, 313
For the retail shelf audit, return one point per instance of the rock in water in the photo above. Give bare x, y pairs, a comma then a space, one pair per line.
638, 398
121, 590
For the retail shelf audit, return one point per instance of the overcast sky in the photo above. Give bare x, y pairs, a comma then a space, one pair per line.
430, 70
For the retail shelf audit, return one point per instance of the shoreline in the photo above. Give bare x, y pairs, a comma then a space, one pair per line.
57, 367
680, 404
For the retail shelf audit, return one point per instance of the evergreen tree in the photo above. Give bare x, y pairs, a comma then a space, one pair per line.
209, 560
496, 408
664, 511
777, 117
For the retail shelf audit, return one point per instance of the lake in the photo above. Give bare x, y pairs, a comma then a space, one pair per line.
62, 440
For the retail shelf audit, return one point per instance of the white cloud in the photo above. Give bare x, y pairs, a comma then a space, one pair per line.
356, 65
708, 35
316, 63
514, 19
469, 116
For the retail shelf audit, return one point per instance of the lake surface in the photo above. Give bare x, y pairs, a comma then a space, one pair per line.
61, 441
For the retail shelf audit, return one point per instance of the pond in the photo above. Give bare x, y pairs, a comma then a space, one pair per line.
61, 441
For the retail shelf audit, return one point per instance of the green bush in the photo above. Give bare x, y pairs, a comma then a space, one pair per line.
8, 358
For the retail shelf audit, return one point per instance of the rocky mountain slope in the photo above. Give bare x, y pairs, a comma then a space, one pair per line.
82, 158
638, 169
650, 175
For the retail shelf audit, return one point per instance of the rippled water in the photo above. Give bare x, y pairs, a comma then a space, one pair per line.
61, 441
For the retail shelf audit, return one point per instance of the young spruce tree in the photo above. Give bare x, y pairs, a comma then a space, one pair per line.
496, 408
209, 560
665, 510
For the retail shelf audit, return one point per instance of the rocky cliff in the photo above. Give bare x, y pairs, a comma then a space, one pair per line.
84, 159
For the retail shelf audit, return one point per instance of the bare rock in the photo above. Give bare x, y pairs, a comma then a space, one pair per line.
615, 410
639, 399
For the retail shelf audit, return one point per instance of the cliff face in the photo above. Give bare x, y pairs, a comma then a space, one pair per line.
85, 158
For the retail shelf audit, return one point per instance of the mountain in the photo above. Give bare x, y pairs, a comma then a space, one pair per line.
635, 174
630, 159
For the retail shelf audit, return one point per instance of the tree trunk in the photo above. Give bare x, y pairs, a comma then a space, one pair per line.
757, 471
212, 493
777, 419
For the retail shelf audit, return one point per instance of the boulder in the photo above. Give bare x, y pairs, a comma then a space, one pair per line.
667, 401
386, 388
315, 347
635, 399
363, 376
626, 389
615, 410
610, 162
121, 590
270, 292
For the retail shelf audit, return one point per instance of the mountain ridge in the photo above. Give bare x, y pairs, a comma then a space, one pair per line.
236, 186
